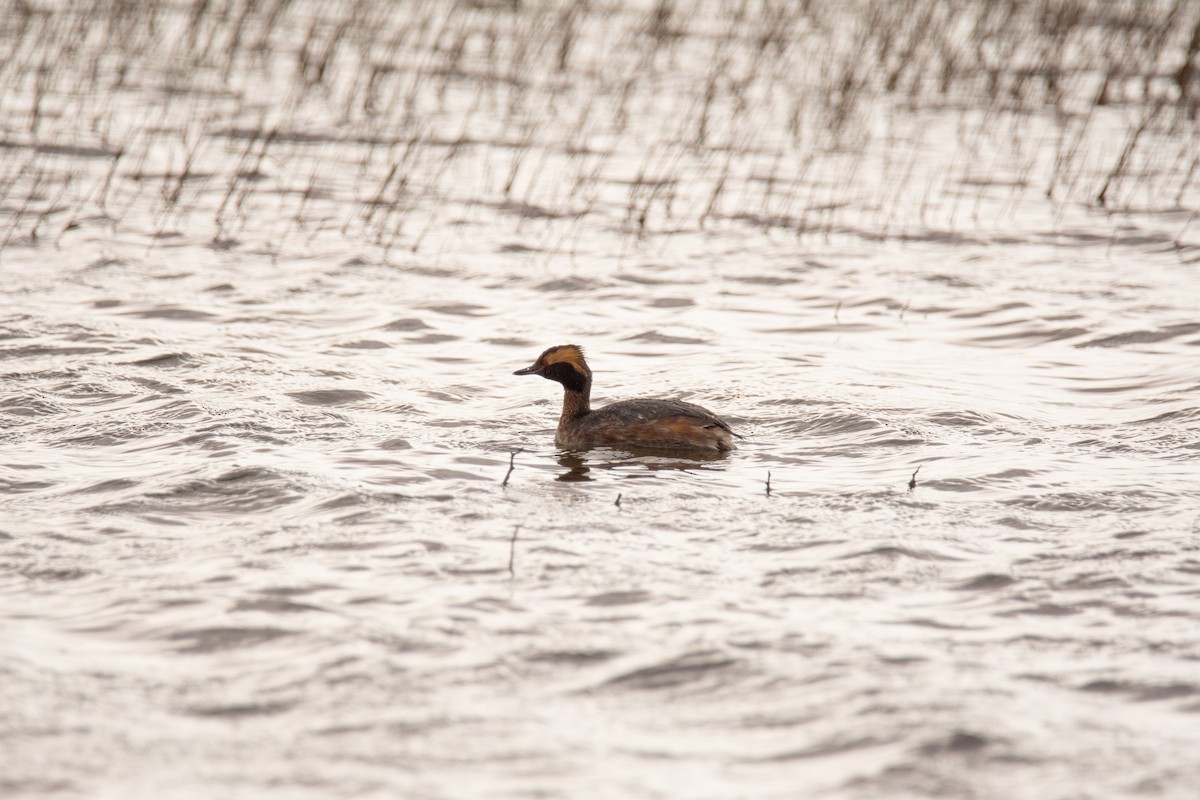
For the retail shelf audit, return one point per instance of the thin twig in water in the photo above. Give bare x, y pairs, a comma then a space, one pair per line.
912, 482
618, 500
512, 551
768, 483
836, 309
1118, 171
511, 465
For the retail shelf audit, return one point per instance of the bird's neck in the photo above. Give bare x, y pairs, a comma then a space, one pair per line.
577, 403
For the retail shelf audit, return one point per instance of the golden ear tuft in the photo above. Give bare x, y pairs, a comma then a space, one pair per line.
565, 353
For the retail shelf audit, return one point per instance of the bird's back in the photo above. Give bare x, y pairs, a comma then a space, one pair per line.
648, 423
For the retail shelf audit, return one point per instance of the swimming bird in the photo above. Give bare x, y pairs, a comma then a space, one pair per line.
643, 423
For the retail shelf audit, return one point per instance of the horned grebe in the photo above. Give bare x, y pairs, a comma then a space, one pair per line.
650, 424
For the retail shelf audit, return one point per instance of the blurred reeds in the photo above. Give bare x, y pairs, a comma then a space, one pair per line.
273, 122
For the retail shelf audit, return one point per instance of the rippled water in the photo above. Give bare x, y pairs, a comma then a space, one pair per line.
259, 536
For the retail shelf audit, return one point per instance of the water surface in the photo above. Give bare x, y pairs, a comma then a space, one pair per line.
268, 270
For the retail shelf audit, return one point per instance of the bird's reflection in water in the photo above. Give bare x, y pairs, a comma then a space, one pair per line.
578, 466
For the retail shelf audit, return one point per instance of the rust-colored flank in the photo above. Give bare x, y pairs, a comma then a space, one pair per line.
637, 424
